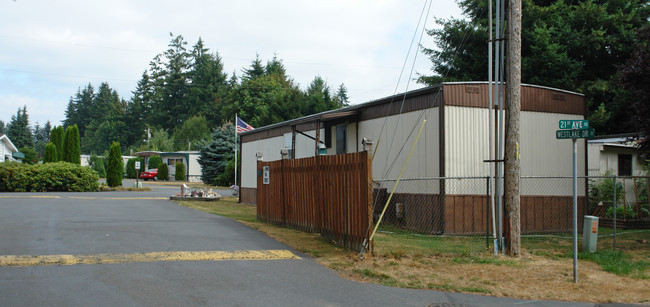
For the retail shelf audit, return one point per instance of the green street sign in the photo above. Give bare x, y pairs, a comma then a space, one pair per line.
575, 134
571, 124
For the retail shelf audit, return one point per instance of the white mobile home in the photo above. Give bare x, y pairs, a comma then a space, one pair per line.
454, 141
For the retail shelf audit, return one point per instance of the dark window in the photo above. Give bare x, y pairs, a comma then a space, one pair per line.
624, 165
328, 137
341, 139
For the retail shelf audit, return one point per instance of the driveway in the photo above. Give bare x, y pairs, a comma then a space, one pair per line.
120, 236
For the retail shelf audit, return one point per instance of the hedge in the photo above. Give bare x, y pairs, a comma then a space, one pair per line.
163, 172
58, 176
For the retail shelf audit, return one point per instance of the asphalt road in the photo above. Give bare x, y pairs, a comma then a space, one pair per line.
121, 224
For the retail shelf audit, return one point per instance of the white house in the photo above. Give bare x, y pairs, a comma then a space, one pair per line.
189, 158
8, 152
615, 155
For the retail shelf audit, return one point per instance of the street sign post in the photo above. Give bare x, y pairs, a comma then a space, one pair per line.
574, 130
137, 173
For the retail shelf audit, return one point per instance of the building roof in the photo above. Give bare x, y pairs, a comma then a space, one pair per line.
353, 110
7, 141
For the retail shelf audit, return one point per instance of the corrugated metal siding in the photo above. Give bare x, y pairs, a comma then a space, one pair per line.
392, 107
467, 142
466, 95
396, 142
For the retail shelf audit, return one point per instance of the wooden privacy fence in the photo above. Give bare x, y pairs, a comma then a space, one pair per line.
330, 195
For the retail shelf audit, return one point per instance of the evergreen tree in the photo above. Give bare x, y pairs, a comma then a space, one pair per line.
41, 137
208, 84
99, 166
163, 172
215, 155
115, 167
72, 149
573, 45
50, 154
139, 110
57, 137
3, 129
18, 129
153, 162
30, 155
131, 172
179, 174
635, 77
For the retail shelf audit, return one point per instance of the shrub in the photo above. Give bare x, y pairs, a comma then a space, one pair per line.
154, 161
179, 174
57, 176
115, 167
98, 166
131, 172
71, 146
56, 137
30, 155
163, 172
51, 154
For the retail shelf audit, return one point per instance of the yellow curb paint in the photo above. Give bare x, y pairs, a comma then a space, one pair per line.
28, 196
29, 260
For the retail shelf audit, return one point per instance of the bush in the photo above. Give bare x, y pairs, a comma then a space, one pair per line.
115, 167
51, 154
71, 145
163, 172
131, 172
98, 165
179, 174
154, 161
58, 176
56, 137
30, 155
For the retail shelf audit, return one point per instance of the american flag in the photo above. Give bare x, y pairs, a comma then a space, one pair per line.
242, 126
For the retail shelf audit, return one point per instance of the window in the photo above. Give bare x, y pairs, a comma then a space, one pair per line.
624, 165
172, 162
341, 139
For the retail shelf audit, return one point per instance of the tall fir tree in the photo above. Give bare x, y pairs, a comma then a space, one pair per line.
50, 154
215, 155
57, 136
18, 129
72, 149
115, 169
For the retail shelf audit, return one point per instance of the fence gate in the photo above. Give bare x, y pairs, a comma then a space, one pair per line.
330, 195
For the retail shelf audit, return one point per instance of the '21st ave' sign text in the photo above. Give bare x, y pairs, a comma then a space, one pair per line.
574, 124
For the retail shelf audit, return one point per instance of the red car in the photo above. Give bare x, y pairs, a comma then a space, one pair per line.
150, 174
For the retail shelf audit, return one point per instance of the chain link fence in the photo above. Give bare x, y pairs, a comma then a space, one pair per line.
455, 215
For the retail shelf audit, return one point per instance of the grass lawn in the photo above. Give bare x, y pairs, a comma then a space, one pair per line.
466, 264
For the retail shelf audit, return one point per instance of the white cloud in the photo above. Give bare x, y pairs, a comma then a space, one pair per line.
50, 49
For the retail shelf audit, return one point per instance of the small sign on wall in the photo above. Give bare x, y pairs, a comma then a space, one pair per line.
266, 175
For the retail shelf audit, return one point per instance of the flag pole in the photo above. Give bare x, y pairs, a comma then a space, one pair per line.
235, 148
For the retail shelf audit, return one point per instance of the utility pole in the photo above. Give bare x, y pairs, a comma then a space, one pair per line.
513, 108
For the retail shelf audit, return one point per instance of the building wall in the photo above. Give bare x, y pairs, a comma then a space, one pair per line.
393, 137
194, 168
270, 150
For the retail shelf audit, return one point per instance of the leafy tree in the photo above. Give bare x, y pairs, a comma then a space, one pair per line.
50, 154
57, 136
30, 155
193, 130
115, 167
635, 78
163, 172
159, 141
574, 45
18, 129
154, 161
179, 173
215, 155
71, 147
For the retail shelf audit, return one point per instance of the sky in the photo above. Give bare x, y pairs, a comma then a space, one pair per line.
50, 49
